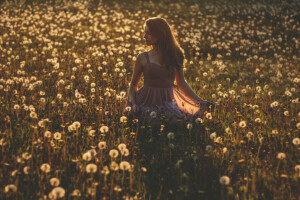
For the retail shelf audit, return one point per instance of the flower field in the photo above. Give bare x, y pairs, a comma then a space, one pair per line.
65, 70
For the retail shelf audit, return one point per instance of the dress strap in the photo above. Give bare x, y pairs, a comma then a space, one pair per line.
147, 57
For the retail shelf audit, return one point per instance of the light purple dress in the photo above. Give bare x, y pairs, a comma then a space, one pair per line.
158, 94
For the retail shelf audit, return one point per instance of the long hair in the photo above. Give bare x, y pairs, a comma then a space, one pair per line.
168, 47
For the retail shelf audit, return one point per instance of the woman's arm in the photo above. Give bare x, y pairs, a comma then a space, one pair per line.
136, 76
184, 87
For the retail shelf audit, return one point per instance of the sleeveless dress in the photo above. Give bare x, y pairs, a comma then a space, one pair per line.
159, 95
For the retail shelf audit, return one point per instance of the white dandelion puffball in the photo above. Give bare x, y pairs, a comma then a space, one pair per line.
213, 135
114, 166
171, 135
105, 170
10, 188
296, 141
242, 124
58, 192
124, 165
124, 152
57, 136
104, 129
87, 156
76, 193
208, 116
47, 134
91, 168
123, 119
189, 126
113, 153
45, 167
281, 156
224, 180
76, 124
122, 146
208, 148
54, 182
128, 108
153, 114
198, 120
102, 145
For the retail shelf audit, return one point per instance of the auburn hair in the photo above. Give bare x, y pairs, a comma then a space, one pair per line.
168, 47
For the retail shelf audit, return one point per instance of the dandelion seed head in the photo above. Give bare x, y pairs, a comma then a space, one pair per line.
124, 165
281, 156
54, 182
296, 141
91, 168
224, 180
45, 167
113, 153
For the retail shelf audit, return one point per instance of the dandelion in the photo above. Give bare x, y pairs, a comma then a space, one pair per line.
92, 133
128, 108
104, 129
298, 125
213, 135
124, 165
54, 182
218, 139
26, 156
123, 119
10, 188
249, 134
71, 128
87, 156
124, 152
57, 192
224, 180
198, 120
45, 167
47, 134
208, 116
171, 136
286, 113
114, 166
33, 115
113, 153
91, 168
76, 124
274, 104
281, 156
296, 141
26, 170
75, 193
105, 170
228, 131
224, 150
102, 145
189, 126
122, 146
153, 114
57, 136
208, 148
242, 124
257, 120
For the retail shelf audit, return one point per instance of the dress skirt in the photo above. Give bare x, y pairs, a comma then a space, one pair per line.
167, 102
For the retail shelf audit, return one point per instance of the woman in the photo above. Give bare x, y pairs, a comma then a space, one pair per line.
161, 66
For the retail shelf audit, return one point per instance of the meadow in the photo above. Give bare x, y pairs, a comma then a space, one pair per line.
65, 70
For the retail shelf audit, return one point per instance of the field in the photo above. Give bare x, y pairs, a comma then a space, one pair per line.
65, 70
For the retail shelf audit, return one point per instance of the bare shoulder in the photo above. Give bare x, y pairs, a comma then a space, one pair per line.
141, 58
